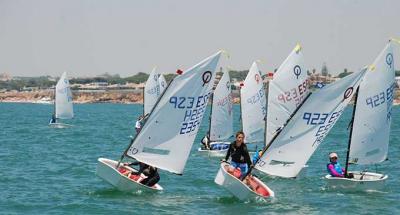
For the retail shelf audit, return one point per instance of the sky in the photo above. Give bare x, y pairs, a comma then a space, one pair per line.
93, 37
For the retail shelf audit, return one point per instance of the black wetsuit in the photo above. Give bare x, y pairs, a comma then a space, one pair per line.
149, 171
238, 154
53, 119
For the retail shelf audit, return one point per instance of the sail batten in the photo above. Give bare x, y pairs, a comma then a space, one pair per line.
175, 120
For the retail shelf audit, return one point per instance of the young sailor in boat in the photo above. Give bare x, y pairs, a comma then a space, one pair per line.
138, 124
239, 154
206, 141
256, 156
334, 167
149, 171
53, 119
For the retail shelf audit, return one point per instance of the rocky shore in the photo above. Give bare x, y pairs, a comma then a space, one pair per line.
78, 97
123, 97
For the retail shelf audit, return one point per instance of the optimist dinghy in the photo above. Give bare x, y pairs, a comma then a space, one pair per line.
63, 107
370, 125
154, 87
169, 132
221, 119
253, 106
289, 150
251, 188
122, 177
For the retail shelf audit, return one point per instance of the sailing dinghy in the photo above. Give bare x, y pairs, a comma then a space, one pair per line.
251, 188
286, 91
292, 146
221, 119
167, 136
370, 125
252, 106
63, 108
153, 89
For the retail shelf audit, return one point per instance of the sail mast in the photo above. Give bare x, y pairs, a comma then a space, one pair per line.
277, 134
351, 132
143, 92
209, 130
265, 117
240, 98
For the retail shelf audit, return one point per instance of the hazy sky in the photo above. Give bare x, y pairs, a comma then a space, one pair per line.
91, 37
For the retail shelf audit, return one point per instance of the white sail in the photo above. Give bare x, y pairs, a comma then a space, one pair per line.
371, 126
167, 137
298, 140
286, 91
221, 126
151, 91
162, 83
63, 99
253, 106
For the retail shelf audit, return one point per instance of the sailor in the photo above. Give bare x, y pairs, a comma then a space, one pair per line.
206, 141
334, 167
53, 119
138, 124
149, 171
239, 155
256, 156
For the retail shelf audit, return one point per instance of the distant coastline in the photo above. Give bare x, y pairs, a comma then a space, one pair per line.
82, 97
46, 97
85, 97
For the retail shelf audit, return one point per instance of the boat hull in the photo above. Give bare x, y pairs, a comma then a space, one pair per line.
59, 125
106, 169
215, 152
362, 181
238, 188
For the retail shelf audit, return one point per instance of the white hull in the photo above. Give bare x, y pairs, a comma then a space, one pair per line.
238, 188
215, 152
59, 125
106, 169
362, 181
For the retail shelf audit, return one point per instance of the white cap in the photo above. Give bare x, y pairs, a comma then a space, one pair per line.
332, 155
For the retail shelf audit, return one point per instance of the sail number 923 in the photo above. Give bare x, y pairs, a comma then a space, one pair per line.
194, 111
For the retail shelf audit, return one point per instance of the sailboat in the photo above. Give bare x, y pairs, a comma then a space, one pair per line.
162, 83
286, 91
63, 108
167, 136
221, 119
153, 88
292, 146
370, 125
252, 106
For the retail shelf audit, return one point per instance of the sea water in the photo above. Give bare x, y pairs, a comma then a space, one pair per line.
52, 171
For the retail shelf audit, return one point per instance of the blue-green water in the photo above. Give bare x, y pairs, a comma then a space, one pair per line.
52, 171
